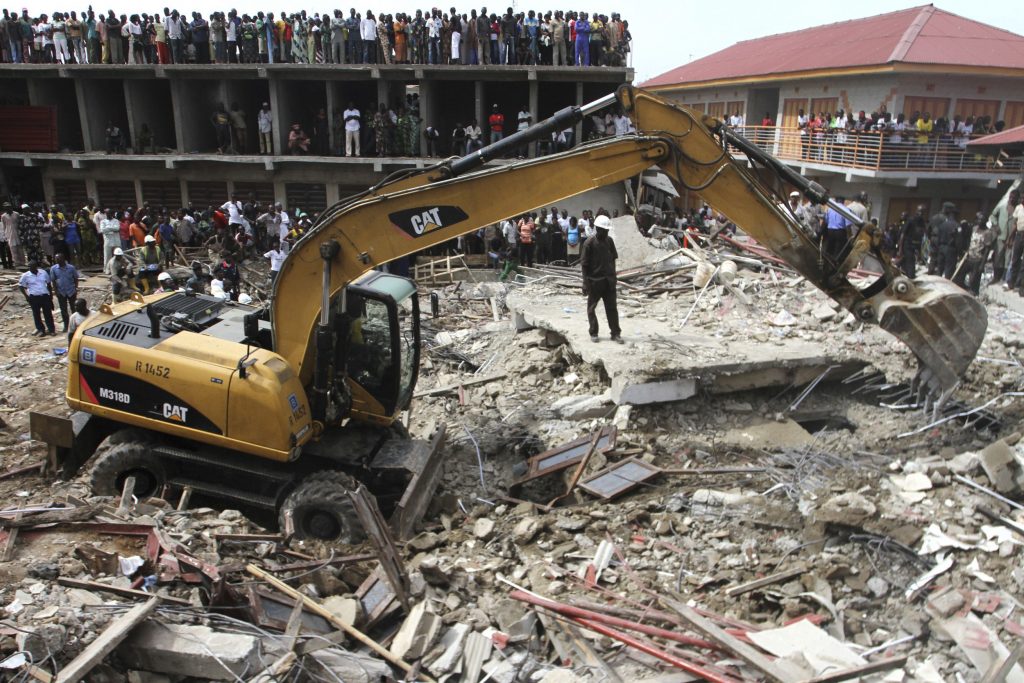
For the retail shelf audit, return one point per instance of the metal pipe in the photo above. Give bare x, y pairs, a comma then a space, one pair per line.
573, 611
563, 118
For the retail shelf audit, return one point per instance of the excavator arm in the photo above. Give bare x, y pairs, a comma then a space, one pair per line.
402, 216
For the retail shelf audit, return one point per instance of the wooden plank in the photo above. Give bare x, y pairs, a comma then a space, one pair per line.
55, 516
22, 470
777, 577
277, 670
1001, 669
857, 672
12, 538
39, 674
118, 590
716, 635
315, 607
454, 387
111, 637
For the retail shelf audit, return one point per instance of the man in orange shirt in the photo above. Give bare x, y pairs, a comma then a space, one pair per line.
138, 233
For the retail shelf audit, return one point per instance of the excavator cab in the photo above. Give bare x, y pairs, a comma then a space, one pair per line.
379, 349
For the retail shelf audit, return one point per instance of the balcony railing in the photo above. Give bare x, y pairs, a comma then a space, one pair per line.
875, 151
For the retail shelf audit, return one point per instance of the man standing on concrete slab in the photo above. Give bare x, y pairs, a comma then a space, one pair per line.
942, 232
9, 232
64, 279
598, 265
265, 121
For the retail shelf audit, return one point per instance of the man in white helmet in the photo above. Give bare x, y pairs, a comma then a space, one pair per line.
598, 264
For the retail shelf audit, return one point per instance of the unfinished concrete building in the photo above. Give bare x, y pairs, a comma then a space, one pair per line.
53, 143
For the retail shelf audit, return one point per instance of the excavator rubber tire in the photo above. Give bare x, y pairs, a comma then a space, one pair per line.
114, 464
320, 509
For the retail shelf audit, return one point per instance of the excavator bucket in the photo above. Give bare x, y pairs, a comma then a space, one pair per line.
942, 324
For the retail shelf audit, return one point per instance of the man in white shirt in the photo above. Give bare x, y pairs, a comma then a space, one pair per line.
509, 231
36, 288
622, 125
286, 223
276, 257
474, 137
352, 125
368, 33
265, 122
234, 211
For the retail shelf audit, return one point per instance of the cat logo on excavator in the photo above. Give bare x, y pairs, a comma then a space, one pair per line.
422, 220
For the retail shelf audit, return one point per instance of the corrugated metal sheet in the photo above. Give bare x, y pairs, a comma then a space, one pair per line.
922, 35
1011, 138
28, 129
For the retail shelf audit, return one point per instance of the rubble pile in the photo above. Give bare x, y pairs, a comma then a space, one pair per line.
818, 525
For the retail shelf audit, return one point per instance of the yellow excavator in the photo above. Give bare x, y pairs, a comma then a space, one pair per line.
284, 407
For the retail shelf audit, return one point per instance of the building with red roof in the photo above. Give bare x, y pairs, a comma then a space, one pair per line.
911, 61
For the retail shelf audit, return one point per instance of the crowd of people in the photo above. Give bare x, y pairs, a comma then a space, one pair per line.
559, 38
913, 140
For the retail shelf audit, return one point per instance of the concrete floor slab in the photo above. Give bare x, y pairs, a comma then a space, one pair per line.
658, 364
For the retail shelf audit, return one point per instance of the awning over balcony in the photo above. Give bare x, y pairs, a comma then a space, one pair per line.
1010, 140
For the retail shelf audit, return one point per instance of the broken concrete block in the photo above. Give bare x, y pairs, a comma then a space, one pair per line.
945, 602
561, 676
41, 641
147, 677
582, 407
483, 528
824, 313
190, 651
454, 643
423, 542
526, 529
336, 664
417, 634
1000, 466
346, 608
851, 509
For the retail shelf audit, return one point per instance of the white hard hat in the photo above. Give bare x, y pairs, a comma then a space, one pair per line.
244, 298
603, 222
118, 251
149, 238
163, 276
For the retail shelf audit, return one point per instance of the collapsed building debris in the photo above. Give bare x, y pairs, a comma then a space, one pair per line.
790, 521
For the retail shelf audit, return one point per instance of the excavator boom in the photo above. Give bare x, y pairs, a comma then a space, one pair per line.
941, 324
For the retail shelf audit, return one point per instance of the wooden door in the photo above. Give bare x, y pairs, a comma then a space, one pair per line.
698, 106
826, 105
897, 205
717, 109
937, 107
789, 144
1013, 116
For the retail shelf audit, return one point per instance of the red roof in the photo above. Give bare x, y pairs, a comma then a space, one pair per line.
919, 35
1011, 137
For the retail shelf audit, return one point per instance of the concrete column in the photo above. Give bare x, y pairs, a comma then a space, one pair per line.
281, 194
138, 191
83, 116
383, 92
49, 194
90, 188
534, 111
480, 96
177, 108
428, 110
578, 135
278, 118
333, 194
130, 111
183, 184
331, 107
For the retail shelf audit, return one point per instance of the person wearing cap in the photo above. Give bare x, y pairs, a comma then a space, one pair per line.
122, 275
35, 286
165, 283
64, 279
597, 263
942, 231
10, 245
496, 123
265, 125
151, 257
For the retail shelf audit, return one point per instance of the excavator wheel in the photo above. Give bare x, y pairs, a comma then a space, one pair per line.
320, 509
114, 463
